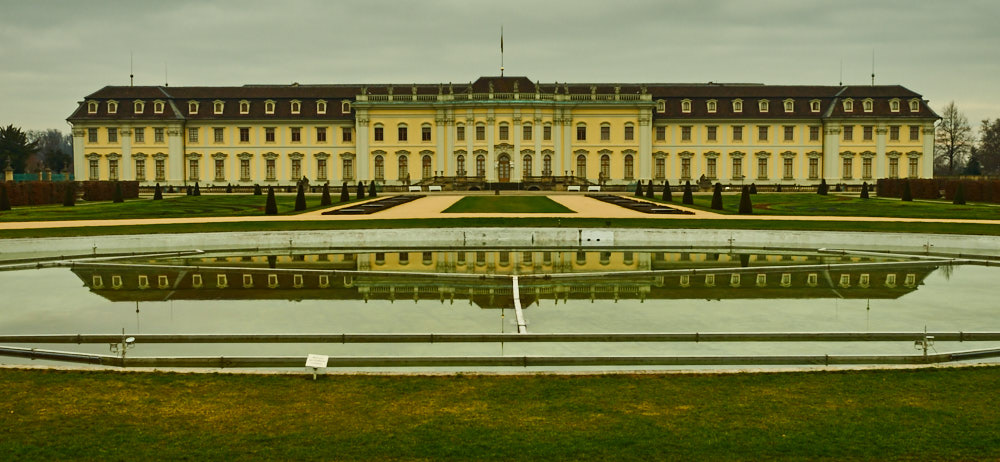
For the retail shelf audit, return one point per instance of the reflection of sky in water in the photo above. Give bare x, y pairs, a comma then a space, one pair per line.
56, 301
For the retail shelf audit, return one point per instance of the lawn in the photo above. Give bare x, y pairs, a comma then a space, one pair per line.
927, 414
506, 204
806, 204
169, 207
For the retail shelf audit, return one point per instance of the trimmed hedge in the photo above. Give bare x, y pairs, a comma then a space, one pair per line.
975, 190
105, 190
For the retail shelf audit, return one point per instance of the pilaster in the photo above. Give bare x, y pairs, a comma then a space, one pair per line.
175, 153
79, 163
927, 167
127, 165
645, 157
362, 160
880, 160
831, 151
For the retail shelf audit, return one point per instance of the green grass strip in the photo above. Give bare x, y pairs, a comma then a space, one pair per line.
925, 414
507, 204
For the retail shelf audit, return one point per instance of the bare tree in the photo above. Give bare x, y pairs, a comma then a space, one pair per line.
953, 140
55, 149
988, 150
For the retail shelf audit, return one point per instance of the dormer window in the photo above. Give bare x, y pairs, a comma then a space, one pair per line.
192, 107
269, 107
894, 105
763, 105
321, 107
712, 106
661, 106
296, 107
218, 106
814, 105
914, 105
345, 107
139, 107
848, 105
737, 105
868, 105
92, 107
789, 105
157, 107
244, 107
112, 107
686, 106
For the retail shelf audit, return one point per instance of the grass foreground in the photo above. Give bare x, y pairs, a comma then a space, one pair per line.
507, 204
926, 414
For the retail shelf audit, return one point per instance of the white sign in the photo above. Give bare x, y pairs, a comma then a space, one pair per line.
317, 361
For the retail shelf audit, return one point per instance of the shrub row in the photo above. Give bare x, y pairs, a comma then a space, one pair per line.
975, 190
36, 192
105, 190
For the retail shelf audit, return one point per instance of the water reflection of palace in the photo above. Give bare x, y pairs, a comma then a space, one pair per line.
445, 276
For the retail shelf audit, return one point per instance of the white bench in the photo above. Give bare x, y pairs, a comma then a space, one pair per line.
572, 188
433, 188
414, 188
594, 188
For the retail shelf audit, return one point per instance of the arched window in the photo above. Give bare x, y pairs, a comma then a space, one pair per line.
92, 107
480, 165
460, 166
629, 167
661, 106
547, 165
686, 105
605, 166
425, 167
526, 166
269, 107
379, 168
296, 107
404, 170
581, 166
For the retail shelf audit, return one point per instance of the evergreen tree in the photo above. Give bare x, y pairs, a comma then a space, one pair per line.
959, 194
361, 190
188, 191
667, 196
300, 199
345, 193
229, 188
638, 188
4, 200
688, 194
325, 199
371, 189
271, 207
197, 190
649, 189
717, 197
864, 190
256, 189
907, 194
118, 197
753, 188
746, 208
157, 193
69, 196
823, 189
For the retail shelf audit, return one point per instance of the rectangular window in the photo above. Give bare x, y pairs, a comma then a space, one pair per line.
140, 134
271, 169
547, 133
526, 133
296, 169
581, 133
379, 134
220, 170
219, 134
848, 133
661, 133
480, 132
193, 169
269, 135
95, 169
401, 133
813, 168
160, 166
321, 134
914, 170
347, 134
738, 133
762, 132
867, 132
661, 168
686, 168
605, 132
737, 168
813, 133
244, 169
91, 135
789, 133
140, 169
914, 133
686, 133
321, 169
112, 135
710, 168
894, 133
459, 132
296, 135
711, 132
762, 168
113, 169
866, 168
157, 135
893, 167
848, 168
347, 167
788, 172
244, 135
504, 132
192, 135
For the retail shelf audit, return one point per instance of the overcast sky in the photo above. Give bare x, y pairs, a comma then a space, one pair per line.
53, 53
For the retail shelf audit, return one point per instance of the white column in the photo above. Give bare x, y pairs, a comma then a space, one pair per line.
439, 124
491, 168
927, 170
127, 163
880, 159
831, 152
361, 156
175, 153
567, 142
645, 156
515, 160
79, 162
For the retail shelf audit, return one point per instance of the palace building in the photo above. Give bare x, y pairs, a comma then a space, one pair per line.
503, 130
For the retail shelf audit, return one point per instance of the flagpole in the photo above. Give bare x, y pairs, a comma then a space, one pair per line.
501, 51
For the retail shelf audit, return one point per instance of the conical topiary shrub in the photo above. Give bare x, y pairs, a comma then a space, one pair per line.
717, 197
649, 190
907, 194
753, 188
864, 190
118, 197
229, 188
197, 190
69, 195
345, 193
157, 193
638, 188
271, 207
667, 195
4, 200
256, 189
325, 198
746, 207
823, 188
777, 187
371, 189
300, 199
361, 190
959, 194
688, 197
